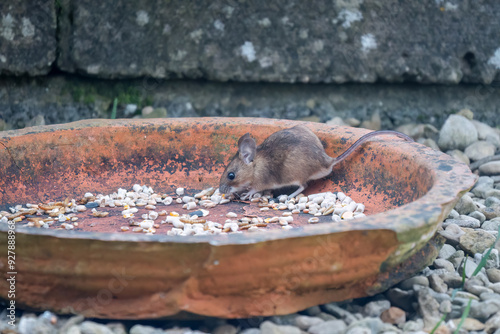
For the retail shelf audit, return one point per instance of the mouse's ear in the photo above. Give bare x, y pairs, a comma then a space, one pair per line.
247, 148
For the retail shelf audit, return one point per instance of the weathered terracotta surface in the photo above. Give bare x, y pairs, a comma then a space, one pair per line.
407, 188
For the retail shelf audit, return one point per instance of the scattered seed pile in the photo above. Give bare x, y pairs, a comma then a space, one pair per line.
197, 219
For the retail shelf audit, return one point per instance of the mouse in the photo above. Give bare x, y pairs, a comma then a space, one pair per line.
289, 157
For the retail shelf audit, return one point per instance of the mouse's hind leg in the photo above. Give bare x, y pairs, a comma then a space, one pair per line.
298, 191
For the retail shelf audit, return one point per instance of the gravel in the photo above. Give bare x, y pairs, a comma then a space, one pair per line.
415, 305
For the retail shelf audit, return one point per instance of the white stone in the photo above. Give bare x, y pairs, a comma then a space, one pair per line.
479, 150
490, 168
457, 133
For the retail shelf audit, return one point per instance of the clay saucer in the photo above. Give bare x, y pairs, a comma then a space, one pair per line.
407, 188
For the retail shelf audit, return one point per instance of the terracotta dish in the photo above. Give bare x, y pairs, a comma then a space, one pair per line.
407, 188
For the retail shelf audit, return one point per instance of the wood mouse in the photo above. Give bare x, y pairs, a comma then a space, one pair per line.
289, 157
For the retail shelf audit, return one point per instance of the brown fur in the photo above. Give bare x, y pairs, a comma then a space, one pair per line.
289, 157
280, 152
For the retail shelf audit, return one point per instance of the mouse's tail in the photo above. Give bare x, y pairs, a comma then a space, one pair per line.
365, 138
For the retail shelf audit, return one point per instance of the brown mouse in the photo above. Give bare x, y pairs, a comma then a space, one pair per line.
290, 157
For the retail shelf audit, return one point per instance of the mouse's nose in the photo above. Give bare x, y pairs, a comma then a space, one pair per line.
224, 189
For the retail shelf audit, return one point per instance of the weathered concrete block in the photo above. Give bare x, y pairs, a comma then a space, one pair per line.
65, 98
431, 41
27, 37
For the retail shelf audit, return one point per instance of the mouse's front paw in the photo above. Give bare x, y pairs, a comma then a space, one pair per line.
248, 195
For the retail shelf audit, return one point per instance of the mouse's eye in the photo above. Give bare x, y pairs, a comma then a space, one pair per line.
231, 176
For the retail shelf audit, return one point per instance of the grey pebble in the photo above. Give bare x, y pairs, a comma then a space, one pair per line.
74, 329
90, 327
326, 317
484, 309
480, 189
430, 143
29, 324
375, 325
359, 330
493, 138
490, 168
479, 150
438, 271
491, 212
408, 284
495, 193
74, 320
452, 232
453, 214
456, 311
413, 325
468, 266
117, 328
340, 313
444, 264
478, 215
469, 222
251, 331
328, 327
179, 331
463, 297
493, 260
457, 132
440, 297
491, 225
304, 321
491, 295
457, 258
474, 281
428, 307
483, 130
492, 201
375, 308
287, 319
493, 275
225, 329
476, 289
445, 306
452, 280
47, 317
484, 180
313, 310
446, 251
495, 287
465, 205
437, 283
492, 324
267, 327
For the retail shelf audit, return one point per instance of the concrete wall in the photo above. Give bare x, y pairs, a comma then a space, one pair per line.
282, 41
430, 41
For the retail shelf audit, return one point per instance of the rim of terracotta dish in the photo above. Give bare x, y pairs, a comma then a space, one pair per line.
451, 179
